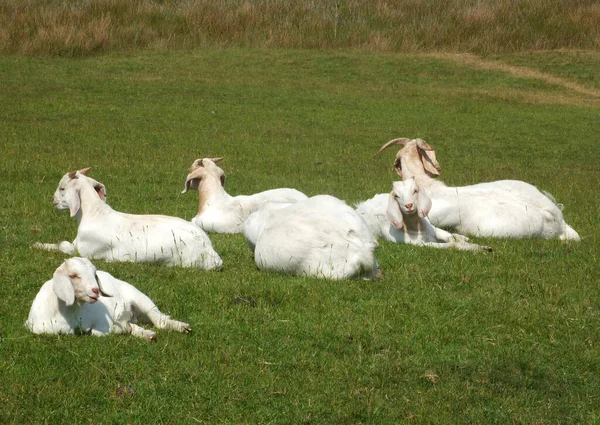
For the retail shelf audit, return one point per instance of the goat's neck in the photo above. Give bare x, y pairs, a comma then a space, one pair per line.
413, 224
209, 190
91, 204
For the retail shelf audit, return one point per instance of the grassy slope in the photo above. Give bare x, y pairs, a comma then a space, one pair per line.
444, 337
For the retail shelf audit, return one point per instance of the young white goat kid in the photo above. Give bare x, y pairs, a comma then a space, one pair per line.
320, 236
407, 211
82, 300
106, 234
220, 212
502, 209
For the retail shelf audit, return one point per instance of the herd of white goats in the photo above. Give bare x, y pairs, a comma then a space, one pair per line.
287, 231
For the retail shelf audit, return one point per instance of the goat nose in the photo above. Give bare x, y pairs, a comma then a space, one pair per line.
95, 291
409, 206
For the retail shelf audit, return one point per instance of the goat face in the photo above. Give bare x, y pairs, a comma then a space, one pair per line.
76, 280
415, 157
59, 201
406, 199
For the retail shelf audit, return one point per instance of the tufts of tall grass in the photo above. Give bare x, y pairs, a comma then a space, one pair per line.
83, 28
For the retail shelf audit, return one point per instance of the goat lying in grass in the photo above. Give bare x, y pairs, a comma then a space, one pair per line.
106, 234
502, 209
406, 220
320, 236
80, 299
220, 212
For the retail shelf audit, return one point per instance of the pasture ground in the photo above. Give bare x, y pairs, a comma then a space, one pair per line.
444, 337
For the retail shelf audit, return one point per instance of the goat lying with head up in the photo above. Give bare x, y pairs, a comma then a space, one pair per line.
82, 300
218, 211
320, 236
106, 234
502, 209
407, 211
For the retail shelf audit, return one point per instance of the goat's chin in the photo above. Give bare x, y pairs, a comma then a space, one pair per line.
61, 207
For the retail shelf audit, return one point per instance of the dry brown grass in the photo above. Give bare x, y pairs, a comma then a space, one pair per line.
67, 28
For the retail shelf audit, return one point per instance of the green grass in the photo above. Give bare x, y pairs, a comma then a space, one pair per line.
444, 337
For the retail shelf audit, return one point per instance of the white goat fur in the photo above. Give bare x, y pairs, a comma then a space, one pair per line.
220, 212
320, 236
82, 300
406, 220
502, 209
106, 234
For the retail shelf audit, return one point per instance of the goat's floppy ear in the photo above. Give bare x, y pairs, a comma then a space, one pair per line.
72, 198
423, 203
427, 155
393, 212
102, 291
193, 180
62, 286
101, 190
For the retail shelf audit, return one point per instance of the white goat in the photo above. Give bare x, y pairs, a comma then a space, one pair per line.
503, 209
80, 299
320, 236
406, 220
106, 234
218, 211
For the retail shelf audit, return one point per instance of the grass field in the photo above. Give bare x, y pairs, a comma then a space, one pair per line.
444, 337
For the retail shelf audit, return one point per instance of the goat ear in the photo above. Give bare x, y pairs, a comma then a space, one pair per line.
393, 212
72, 199
423, 203
427, 155
102, 291
193, 180
101, 190
62, 285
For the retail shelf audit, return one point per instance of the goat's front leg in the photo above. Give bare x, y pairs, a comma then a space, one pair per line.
64, 246
443, 236
142, 333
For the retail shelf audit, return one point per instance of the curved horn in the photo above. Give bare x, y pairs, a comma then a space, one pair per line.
398, 141
215, 160
84, 171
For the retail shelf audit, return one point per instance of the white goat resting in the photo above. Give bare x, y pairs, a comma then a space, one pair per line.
407, 211
106, 234
220, 212
320, 236
503, 209
80, 299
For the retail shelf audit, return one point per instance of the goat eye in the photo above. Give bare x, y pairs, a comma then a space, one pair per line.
73, 276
